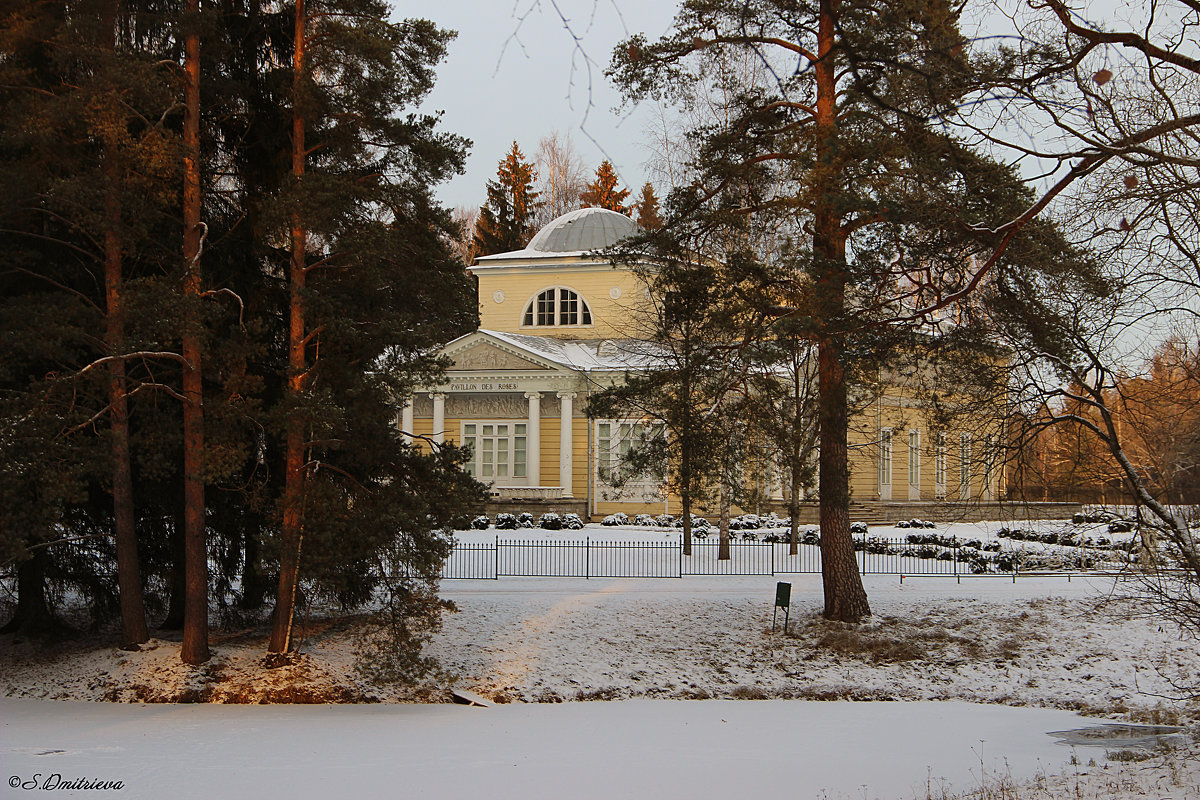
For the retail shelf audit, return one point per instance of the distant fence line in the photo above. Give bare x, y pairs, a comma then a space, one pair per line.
585, 558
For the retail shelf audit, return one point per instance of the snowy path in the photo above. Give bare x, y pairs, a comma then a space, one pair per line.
628, 749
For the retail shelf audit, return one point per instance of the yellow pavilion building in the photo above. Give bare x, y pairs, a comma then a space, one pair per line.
557, 325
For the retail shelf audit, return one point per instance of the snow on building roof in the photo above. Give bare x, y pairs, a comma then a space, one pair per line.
574, 233
587, 354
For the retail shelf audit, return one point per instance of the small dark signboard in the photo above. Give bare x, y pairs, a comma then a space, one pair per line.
783, 599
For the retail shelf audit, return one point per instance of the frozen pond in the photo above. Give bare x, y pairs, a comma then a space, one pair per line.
628, 749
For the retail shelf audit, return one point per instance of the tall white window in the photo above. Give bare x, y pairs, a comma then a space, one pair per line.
989, 465
498, 450
555, 307
914, 464
964, 469
885, 458
616, 440
939, 462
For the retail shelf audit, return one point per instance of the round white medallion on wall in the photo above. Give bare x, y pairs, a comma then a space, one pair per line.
615, 293
498, 296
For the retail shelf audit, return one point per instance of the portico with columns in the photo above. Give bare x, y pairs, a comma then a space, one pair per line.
520, 406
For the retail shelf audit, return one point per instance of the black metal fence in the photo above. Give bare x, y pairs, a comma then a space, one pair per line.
535, 558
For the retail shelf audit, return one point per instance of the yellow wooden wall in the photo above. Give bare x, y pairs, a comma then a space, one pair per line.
611, 318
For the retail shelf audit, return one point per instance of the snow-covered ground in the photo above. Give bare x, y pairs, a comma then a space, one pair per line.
1051, 644
631, 749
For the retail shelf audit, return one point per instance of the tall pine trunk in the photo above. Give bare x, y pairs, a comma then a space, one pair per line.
195, 622
292, 534
129, 576
794, 510
845, 597
723, 553
796, 468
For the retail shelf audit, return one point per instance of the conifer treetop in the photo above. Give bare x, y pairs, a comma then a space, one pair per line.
647, 208
603, 192
507, 221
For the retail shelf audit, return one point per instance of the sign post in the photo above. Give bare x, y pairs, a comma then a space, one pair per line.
783, 599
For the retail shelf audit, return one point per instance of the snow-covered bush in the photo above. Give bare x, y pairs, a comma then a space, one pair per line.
506, 522
643, 519
697, 522
665, 521
572, 522
550, 521
481, 523
858, 527
525, 520
615, 519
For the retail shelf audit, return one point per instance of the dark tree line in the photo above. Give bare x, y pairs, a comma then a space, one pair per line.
224, 268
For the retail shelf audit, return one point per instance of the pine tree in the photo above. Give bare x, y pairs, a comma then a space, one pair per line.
882, 218
368, 255
647, 208
506, 221
603, 192
86, 158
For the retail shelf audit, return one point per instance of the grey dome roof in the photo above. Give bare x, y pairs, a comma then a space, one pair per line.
585, 229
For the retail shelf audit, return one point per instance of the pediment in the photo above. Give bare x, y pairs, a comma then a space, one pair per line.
485, 355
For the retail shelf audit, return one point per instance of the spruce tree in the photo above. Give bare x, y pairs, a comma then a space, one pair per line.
506, 221
647, 208
603, 192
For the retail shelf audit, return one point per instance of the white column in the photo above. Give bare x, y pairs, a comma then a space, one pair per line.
406, 421
565, 452
439, 417
533, 441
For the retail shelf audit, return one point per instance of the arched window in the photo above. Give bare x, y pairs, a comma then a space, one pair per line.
557, 306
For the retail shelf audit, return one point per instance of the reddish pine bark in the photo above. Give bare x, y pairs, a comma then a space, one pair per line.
292, 534
845, 597
195, 614
129, 577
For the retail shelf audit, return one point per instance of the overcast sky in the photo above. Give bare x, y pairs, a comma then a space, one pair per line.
521, 69
516, 72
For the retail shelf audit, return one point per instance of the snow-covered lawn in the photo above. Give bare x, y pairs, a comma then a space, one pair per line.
1053, 643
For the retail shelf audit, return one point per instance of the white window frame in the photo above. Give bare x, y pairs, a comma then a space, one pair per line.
885, 463
964, 466
563, 301
516, 453
939, 464
989, 466
914, 464
614, 437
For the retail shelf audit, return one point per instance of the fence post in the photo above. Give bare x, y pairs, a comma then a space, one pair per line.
587, 557
954, 552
